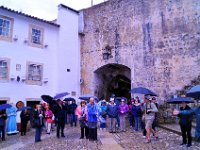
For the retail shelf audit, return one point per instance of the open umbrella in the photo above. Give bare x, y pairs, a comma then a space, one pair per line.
194, 92
60, 95
142, 90
5, 106
47, 98
87, 97
69, 99
24, 108
179, 100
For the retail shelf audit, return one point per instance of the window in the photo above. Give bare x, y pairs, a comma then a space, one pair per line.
6, 27
34, 73
4, 68
36, 36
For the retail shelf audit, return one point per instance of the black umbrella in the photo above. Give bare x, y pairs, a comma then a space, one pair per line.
47, 98
194, 92
24, 108
141, 90
179, 100
69, 99
5, 106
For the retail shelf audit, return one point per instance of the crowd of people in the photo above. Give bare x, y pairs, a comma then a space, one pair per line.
107, 115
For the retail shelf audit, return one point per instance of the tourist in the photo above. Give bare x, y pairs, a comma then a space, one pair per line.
156, 115
3, 117
150, 110
92, 110
48, 117
137, 113
112, 111
25, 117
196, 113
102, 115
81, 112
123, 110
73, 117
60, 110
38, 116
131, 118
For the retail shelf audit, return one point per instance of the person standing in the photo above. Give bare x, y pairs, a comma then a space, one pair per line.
186, 125
25, 117
81, 112
112, 111
102, 115
131, 118
12, 123
60, 115
92, 110
3, 117
48, 117
150, 110
137, 113
38, 116
123, 110
73, 117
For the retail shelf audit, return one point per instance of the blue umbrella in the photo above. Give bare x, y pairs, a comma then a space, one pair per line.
69, 99
87, 97
194, 92
24, 108
179, 100
5, 106
141, 90
60, 95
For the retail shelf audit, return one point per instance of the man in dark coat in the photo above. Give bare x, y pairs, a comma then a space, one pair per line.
186, 125
3, 118
73, 117
25, 117
60, 109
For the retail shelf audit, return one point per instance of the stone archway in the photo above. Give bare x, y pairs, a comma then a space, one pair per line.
113, 79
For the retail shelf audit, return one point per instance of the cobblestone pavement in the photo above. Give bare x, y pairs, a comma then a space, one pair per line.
167, 141
128, 140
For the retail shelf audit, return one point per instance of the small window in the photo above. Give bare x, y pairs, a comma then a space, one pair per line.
36, 36
4, 69
6, 27
34, 73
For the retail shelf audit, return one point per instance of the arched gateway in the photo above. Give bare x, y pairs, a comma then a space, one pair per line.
112, 79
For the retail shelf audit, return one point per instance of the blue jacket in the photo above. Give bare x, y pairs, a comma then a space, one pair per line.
136, 111
92, 112
112, 111
185, 120
196, 112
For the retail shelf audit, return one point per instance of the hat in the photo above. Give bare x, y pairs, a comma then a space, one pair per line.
122, 100
112, 99
104, 101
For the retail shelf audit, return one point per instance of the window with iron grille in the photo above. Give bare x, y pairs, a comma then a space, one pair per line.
34, 73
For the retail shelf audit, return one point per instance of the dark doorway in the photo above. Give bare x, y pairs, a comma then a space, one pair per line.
113, 79
32, 104
3, 102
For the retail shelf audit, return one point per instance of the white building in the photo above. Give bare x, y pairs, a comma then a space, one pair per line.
37, 56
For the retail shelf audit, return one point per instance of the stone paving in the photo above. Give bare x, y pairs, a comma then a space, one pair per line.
126, 140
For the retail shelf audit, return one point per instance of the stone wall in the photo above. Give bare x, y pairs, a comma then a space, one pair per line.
159, 40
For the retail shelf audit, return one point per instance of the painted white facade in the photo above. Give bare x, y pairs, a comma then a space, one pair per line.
61, 54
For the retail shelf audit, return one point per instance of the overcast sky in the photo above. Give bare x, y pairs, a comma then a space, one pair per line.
45, 9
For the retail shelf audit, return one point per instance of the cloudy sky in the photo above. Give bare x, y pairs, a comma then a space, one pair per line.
45, 9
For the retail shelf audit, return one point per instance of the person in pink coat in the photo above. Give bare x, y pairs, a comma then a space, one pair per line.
81, 112
123, 110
